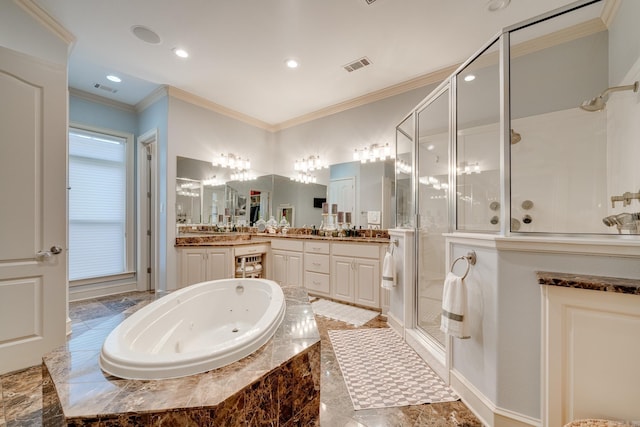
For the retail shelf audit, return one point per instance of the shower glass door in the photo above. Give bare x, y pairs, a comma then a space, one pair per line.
432, 154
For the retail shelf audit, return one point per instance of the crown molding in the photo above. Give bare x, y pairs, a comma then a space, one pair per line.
212, 106
609, 11
562, 36
157, 94
47, 21
565, 35
101, 100
415, 83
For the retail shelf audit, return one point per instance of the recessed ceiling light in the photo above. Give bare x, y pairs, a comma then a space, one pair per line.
145, 34
292, 63
469, 78
113, 78
495, 5
181, 53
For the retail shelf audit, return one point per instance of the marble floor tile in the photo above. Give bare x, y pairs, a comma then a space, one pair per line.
21, 392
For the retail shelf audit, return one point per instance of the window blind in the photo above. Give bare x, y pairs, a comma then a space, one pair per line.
97, 205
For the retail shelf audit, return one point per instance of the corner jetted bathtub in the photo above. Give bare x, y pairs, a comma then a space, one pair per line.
195, 329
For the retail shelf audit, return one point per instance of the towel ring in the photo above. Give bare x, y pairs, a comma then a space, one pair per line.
470, 257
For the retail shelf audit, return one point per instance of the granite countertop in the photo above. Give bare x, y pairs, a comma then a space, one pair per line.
233, 239
596, 283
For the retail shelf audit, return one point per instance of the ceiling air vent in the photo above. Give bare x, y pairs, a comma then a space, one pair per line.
105, 88
360, 63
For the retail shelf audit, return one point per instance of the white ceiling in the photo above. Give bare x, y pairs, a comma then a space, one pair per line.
238, 47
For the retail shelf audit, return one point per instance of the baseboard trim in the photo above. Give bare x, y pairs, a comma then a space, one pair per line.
79, 293
395, 324
485, 409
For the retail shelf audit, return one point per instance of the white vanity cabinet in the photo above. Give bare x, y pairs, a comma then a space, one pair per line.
199, 264
287, 261
317, 267
355, 273
591, 352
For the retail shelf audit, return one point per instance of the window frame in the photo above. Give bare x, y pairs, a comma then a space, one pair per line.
130, 237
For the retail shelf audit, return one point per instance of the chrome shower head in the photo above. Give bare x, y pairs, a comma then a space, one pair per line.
595, 104
598, 103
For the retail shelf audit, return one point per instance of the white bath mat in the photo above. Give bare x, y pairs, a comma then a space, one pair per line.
381, 370
346, 313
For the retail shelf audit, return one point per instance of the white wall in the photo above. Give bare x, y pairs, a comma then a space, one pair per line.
623, 108
23, 33
336, 136
199, 133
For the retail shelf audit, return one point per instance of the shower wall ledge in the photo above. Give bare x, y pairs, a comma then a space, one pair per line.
619, 246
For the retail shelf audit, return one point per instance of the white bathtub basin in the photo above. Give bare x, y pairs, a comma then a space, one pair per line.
195, 329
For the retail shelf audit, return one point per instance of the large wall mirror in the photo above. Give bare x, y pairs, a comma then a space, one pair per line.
207, 194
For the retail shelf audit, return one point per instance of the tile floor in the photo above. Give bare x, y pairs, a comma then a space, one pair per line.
21, 392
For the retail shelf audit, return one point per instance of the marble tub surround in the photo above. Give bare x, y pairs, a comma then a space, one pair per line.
21, 399
278, 385
597, 283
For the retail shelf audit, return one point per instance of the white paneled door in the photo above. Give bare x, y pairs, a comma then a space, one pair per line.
33, 242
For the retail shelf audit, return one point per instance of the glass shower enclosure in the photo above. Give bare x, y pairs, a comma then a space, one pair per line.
514, 143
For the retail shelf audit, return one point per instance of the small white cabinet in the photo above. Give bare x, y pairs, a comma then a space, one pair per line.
355, 273
200, 264
287, 262
591, 352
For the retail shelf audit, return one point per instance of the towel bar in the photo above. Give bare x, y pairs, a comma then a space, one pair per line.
470, 257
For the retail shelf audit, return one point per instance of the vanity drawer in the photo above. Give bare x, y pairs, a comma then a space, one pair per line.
287, 244
317, 263
356, 250
250, 250
317, 282
316, 247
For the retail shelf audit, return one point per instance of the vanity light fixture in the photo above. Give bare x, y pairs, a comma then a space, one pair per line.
305, 178
232, 161
403, 167
212, 182
468, 169
243, 175
432, 181
372, 153
310, 163
114, 78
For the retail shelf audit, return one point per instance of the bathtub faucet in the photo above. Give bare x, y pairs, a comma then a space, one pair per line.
625, 220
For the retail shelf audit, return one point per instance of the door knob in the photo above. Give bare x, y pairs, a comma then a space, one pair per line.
53, 250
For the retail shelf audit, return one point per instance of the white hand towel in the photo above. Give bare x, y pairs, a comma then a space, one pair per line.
454, 320
388, 271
